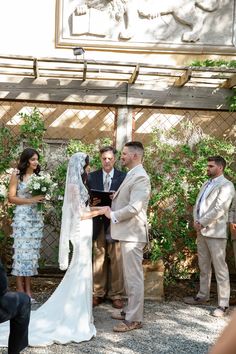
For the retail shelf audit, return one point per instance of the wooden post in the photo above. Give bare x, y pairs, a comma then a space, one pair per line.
124, 126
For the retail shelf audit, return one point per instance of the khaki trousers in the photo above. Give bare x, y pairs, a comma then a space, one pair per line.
107, 269
212, 250
132, 257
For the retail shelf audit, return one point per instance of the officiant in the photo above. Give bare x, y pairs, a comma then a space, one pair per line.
107, 266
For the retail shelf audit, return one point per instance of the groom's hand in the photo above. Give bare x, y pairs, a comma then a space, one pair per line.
108, 213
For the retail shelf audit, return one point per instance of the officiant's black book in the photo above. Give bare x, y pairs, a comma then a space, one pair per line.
104, 196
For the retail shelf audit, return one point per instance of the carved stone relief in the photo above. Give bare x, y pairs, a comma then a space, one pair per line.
149, 22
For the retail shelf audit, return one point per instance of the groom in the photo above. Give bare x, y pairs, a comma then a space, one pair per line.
14, 306
129, 226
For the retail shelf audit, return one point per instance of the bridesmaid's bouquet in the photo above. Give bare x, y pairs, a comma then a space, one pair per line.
41, 185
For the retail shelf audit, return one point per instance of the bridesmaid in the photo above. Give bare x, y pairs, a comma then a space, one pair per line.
27, 221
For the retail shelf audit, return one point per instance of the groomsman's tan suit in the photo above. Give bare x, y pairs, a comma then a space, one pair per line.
232, 225
129, 206
212, 238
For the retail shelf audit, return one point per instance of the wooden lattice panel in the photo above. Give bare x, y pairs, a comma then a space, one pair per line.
217, 123
63, 122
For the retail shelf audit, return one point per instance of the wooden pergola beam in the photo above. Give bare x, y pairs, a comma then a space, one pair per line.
116, 94
134, 75
229, 83
183, 79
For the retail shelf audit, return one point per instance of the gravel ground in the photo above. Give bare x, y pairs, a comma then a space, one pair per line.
170, 327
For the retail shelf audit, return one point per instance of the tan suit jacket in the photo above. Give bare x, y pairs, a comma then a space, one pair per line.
215, 207
130, 204
232, 219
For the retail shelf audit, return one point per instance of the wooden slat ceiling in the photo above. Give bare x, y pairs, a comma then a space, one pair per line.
129, 72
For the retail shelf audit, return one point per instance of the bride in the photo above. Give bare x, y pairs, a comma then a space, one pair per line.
67, 315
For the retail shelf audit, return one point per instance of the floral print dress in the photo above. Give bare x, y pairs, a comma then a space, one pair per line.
27, 233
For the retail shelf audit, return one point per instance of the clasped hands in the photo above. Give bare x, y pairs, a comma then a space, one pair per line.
105, 210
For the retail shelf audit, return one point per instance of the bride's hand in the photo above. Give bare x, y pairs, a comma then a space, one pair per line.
104, 210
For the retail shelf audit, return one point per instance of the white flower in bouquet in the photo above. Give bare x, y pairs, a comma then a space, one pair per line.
40, 185
36, 186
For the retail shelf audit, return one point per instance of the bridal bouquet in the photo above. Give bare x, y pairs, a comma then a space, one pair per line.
41, 185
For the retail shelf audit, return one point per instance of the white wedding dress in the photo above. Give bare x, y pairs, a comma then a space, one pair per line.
67, 315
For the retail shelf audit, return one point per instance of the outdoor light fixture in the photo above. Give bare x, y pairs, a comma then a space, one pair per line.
78, 51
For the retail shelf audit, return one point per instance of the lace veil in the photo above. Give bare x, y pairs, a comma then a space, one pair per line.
75, 198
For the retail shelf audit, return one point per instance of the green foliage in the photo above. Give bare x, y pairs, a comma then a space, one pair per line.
231, 64
33, 129
5, 231
8, 148
176, 162
232, 101
214, 63
91, 149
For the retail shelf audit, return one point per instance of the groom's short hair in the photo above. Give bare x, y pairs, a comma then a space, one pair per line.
137, 146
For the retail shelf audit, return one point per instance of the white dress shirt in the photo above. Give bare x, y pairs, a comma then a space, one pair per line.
111, 175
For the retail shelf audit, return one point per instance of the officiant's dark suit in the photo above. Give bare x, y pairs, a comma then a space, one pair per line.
107, 265
14, 306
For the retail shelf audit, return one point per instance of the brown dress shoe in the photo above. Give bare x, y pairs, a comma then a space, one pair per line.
97, 301
194, 300
117, 304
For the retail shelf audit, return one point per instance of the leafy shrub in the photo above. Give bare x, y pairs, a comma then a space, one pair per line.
176, 162
8, 148
33, 129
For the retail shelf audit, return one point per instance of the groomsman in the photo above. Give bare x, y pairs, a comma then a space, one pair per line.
210, 222
232, 225
14, 306
107, 264
129, 226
